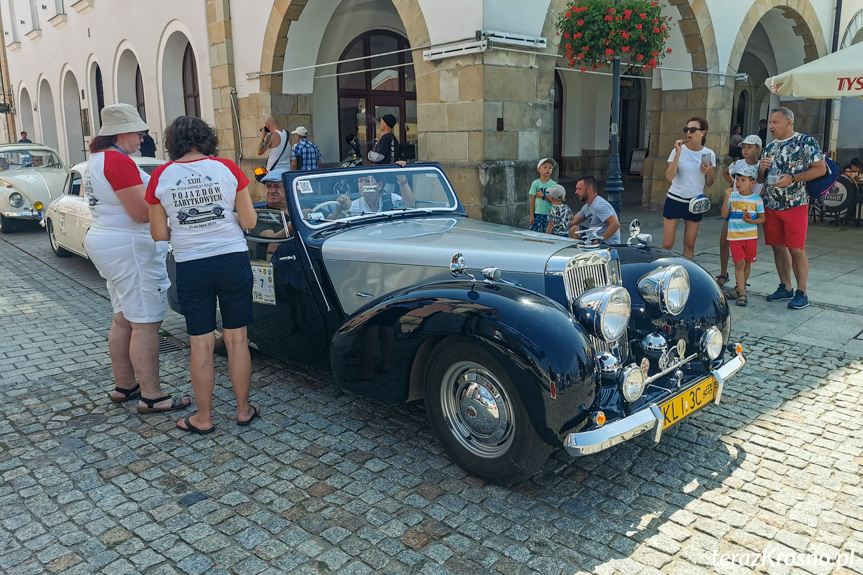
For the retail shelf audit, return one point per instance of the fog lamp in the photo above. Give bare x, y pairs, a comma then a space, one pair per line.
38, 206
632, 383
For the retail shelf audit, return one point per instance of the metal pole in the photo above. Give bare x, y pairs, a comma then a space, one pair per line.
614, 181
828, 112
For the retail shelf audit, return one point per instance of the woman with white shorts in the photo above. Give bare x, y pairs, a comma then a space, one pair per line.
120, 246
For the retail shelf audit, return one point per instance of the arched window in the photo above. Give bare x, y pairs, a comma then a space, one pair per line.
100, 95
139, 94
375, 85
741, 109
191, 96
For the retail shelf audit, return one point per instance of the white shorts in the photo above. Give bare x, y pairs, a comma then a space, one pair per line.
134, 267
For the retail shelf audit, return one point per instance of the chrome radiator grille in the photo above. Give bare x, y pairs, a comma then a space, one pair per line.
587, 271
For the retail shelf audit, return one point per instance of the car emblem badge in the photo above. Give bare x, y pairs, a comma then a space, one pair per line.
681, 348
645, 365
471, 412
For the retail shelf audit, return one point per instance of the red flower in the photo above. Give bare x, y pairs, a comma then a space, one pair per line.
608, 18
643, 16
577, 35
609, 52
662, 27
656, 30
625, 48
568, 14
583, 69
627, 14
611, 10
652, 63
639, 57
668, 51
625, 35
580, 22
568, 47
580, 56
654, 53
638, 26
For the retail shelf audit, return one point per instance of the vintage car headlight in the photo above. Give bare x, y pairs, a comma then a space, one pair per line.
711, 343
16, 200
632, 383
604, 311
666, 288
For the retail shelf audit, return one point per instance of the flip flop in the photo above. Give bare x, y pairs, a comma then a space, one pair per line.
126, 393
176, 403
255, 412
722, 279
192, 429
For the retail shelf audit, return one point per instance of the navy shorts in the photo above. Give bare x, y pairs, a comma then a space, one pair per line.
675, 210
227, 277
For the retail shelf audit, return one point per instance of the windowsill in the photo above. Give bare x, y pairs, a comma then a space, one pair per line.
34, 35
82, 6
58, 20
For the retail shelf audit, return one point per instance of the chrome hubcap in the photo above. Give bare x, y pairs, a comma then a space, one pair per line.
477, 409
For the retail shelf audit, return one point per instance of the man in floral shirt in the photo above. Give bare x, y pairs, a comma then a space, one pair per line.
787, 163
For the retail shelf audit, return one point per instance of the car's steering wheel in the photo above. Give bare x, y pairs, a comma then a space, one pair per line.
332, 204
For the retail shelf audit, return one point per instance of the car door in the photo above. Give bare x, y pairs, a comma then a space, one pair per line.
287, 321
77, 213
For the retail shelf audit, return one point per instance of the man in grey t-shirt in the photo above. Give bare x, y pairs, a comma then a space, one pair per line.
597, 212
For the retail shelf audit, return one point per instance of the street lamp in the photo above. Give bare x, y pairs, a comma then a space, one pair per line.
614, 179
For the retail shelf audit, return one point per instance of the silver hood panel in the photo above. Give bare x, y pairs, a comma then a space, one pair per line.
377, 259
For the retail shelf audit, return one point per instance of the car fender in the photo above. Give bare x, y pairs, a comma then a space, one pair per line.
544, 350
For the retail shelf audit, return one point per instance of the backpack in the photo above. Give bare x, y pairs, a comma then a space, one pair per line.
819, 186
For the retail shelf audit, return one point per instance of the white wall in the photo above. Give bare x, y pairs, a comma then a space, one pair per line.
97, 35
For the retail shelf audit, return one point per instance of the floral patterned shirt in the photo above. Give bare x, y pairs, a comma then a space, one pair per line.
791, 156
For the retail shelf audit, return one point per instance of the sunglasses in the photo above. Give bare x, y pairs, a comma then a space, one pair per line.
690, 130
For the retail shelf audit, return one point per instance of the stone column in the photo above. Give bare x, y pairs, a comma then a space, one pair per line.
487, 118
220, 34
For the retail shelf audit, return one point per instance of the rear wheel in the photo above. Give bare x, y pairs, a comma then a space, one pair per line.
58, 250
7, 225
478, 414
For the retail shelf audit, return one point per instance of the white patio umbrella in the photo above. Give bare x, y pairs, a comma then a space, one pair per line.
834, 76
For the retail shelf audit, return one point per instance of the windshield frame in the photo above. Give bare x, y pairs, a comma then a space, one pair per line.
290, 178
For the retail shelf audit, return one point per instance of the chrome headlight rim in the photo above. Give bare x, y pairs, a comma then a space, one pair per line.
711, 343
15, 199
659, 288
604, 311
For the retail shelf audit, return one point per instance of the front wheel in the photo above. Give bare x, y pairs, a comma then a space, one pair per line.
58, 250
478, 415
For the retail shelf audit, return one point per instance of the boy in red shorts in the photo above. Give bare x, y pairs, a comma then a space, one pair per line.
744, 210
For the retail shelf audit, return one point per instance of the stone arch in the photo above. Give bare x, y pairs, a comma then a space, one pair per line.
172, 46
284, 14
855, 25
25, 113
126, 63
803, 21
47, 114
71, 98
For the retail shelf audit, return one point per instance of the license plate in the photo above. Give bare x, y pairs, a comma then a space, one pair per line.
686, 403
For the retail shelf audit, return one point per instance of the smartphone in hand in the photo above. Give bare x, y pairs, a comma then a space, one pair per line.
705, 159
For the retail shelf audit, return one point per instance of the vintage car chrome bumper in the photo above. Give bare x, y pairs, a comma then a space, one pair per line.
27, 215
596, 440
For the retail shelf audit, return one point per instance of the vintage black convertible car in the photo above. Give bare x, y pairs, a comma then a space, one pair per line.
518, 342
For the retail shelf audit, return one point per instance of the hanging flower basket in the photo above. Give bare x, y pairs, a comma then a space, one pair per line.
594, 31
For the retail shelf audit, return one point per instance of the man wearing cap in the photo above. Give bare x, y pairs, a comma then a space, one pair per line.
597, 212
384, 151
274, 142
305, 155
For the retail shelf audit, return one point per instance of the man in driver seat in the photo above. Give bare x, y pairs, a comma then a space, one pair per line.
374, 199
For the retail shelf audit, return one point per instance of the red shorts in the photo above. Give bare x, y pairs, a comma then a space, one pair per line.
744, 250
786, 227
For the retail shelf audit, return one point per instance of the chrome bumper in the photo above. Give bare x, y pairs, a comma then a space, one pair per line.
28, 215
596, 440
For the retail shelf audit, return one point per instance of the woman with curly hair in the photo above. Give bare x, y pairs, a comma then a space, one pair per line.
201, 204
133, 265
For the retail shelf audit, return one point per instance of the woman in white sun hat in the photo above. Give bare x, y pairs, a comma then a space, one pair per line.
120, 246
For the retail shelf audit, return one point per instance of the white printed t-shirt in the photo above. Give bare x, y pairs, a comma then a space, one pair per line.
106, 172
199, 198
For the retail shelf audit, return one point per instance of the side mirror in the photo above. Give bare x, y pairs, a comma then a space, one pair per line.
634, 228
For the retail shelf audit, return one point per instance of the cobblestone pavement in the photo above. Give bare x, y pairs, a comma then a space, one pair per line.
330, 482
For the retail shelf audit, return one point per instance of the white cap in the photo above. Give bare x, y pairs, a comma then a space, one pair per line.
556, 191
752, 139
544, 160
301, 131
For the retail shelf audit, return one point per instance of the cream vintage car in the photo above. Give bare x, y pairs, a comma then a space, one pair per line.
67, 218
31, 175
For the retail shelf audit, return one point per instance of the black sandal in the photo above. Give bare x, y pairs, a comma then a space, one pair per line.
724, 278
192, 429
176, 403
126, 393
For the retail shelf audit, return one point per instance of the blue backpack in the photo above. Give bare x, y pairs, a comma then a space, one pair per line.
819, 186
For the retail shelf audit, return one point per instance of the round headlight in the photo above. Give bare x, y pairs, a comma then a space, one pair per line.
711, 343
667, 288
632, 383
604, 311
16, 200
